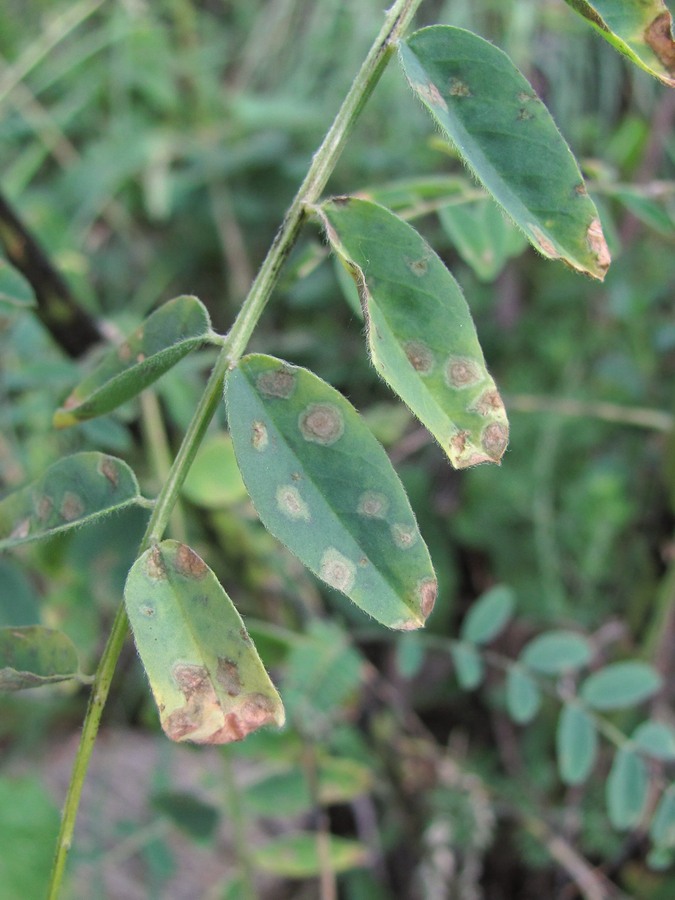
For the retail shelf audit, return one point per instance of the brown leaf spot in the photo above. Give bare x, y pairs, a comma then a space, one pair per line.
71, 402
124, 352
21, 530
458, 442
259, 436
147, 610
321, 423
256, 710
404, 536
419, 356
488, 403
598, 245
180, 724
524, 114
459, 88
154, 564
72, 507
291, 503
524, 97
337, 571
192, 679
227, 676
462, 373
419, 267
108, 468
276, 383
188, 564
431, 94
544, 243
44, 508
427, 590
405, 625
373, 504
581, 190
494, 440
659, 36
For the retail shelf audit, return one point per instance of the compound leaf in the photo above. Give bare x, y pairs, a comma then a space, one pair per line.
421, 337
165, 337
507, 137
640, 29
324, 486
74, 490
206, 676
31, 656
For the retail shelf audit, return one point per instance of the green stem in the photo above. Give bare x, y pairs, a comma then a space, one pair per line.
155, 438
323, 163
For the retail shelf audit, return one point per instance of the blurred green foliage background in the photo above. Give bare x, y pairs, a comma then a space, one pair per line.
153, 148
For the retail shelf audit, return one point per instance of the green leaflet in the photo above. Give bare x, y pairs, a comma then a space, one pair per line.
323, 486
626, 788
523, 697
577, 744
620, 685
488, 615
206, 676
482, 236
468, 665
32, 656
641, 29
165, 337
662, 828
507, 137
655, 738
15, 292
413, 196
213, 481
421, 336
286, 793
557, 651
299, 856
73, 491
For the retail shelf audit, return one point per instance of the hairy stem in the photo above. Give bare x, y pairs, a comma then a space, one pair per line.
323, 163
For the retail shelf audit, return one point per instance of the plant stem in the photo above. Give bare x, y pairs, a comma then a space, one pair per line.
155, 438
323, 163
